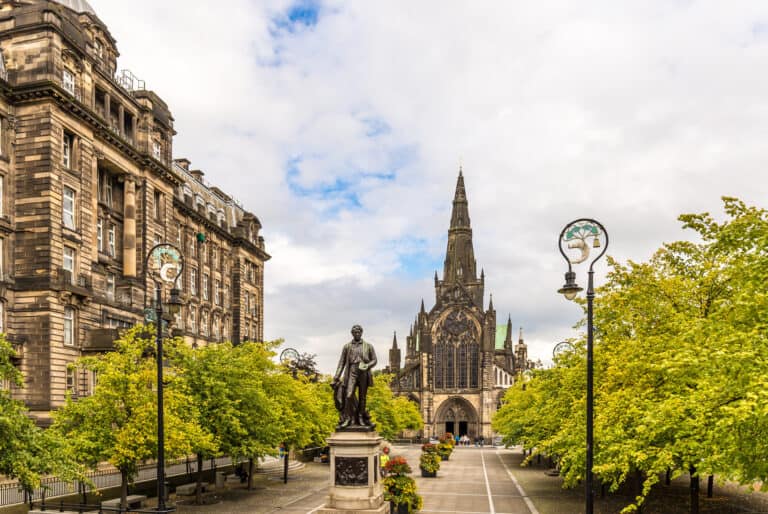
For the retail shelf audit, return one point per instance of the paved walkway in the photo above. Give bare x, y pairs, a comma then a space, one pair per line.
474, 481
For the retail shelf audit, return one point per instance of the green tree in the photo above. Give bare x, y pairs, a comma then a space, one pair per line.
680, 359
391, 414
118, 422
26, 451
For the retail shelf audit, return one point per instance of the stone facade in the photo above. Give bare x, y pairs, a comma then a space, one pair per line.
458, 362
88, 186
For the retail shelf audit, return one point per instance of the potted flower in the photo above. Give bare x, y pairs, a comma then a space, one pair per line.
429, 462
445, 448
399, 488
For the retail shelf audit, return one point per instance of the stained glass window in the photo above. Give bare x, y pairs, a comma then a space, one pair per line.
463, 364
450, 367
439, 365
473, 365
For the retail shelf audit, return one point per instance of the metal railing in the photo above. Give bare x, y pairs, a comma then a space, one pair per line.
11, 493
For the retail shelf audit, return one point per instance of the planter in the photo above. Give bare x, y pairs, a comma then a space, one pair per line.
428, 474
400, 509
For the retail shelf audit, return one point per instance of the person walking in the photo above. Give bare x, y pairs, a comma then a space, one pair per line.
383, 459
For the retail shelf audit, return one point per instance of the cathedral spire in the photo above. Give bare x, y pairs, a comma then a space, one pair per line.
422, 311
460, 256
490, 304
521, 335
394, 341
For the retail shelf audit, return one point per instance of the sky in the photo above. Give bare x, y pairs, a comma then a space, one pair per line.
342, 125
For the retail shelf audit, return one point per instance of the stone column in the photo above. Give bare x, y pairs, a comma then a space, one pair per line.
121, 120
129, 228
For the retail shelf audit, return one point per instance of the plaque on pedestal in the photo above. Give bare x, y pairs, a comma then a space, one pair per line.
354, 474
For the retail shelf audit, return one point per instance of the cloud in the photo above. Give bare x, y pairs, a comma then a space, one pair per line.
342, 126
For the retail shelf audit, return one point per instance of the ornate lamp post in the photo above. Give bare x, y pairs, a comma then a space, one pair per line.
583, 234
164, 265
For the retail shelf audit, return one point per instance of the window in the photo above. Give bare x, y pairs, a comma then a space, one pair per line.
2, 192
178, 235
69, 326
204, 323
215, 327
100, 235
68, 208
214, 257
111, 286
192, 246
157, 151
216, 292
111, 241
247, 303
69, 260
158, 239
158, 205
68, 81
98, 49
205, 287
192, 319
108, 191
193, 282
93, 382
66, 149
71, 383
204, 254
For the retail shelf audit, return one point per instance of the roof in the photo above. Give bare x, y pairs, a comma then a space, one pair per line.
77, 5
501, 335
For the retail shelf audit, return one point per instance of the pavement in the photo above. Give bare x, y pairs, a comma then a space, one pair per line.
474, 481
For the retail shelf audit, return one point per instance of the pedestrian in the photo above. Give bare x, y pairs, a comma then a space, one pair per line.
456, 438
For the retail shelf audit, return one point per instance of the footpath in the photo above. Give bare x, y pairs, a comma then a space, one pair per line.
474, 481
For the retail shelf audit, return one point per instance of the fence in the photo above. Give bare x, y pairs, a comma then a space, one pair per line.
11, 493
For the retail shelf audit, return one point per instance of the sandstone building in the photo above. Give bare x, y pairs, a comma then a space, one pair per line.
88, 186
458, 362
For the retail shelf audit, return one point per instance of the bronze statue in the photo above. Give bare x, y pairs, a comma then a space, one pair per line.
357, 359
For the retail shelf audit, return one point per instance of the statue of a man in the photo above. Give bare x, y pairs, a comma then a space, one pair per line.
357, 359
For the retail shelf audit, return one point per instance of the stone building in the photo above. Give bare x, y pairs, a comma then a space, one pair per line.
458, 362
88, 186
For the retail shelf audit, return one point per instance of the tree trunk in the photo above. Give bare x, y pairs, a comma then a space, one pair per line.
124, 489
710, 485
668, 479
199, 487
250, 473
694, 491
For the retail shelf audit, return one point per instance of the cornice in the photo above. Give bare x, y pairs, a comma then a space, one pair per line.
46, 89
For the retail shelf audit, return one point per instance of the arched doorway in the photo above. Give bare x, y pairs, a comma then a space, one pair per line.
457, 416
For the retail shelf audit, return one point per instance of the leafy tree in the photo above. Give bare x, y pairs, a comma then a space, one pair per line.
391, 414
27, 451
680, 359
118, 422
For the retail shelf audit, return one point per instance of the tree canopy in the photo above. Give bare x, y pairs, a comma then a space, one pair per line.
680, 360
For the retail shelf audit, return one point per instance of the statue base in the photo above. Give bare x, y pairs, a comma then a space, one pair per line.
355, 474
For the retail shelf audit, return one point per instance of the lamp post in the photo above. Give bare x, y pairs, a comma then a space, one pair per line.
164, 265
583, 234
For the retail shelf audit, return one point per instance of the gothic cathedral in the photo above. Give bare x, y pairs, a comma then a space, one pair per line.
458, 362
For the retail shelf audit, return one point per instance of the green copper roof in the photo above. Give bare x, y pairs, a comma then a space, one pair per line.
501, 335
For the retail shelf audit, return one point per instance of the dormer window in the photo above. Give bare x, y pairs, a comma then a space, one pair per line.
68, 81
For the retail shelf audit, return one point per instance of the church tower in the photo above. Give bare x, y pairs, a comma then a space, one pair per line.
394, 356
453, 367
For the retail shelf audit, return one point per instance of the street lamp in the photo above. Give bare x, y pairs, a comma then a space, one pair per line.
164, 265
583, 234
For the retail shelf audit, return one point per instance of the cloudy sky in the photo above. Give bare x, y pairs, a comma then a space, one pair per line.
342, 125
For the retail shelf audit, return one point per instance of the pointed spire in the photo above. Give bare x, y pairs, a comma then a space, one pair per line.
394, 341
435, 278
460, 263
490, 303
521, 335
508, 338
422, 311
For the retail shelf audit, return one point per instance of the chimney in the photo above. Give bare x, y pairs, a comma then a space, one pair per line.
183, 163
198, 174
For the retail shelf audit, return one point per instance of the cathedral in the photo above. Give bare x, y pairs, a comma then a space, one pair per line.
458, 362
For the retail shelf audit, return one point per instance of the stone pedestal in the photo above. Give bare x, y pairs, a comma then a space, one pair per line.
355, 481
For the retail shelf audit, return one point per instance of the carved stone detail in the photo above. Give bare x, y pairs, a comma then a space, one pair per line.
351, 471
